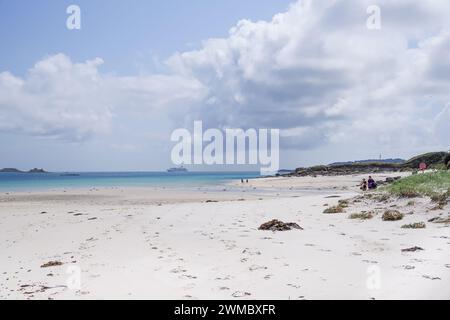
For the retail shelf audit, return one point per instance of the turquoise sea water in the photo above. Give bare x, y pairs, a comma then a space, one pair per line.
42, 181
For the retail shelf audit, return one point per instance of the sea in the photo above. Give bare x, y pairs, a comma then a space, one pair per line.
64, 180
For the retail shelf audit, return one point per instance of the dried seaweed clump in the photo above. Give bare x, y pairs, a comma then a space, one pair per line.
277, 225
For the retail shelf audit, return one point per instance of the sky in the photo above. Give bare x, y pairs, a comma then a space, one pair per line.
108, 96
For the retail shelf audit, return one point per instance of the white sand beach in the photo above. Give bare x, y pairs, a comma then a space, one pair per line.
150, 243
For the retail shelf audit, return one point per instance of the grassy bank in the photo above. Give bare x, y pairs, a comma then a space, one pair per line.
427, 184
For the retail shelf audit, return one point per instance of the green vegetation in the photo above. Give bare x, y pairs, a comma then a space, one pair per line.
431, 184
415, 225
440, 197
361, 216
339, 208
392, 215
447, 161
343, 203
431, 159
334, 209
434, 160
382, 197
438, 166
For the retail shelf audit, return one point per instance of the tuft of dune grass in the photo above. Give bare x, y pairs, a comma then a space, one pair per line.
343, 203
334, 209
382, 197
415, 225
392, 215
361, 215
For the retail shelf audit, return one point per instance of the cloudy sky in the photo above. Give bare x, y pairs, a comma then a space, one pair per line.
108, 96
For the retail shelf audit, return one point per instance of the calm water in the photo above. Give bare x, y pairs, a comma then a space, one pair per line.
33, 181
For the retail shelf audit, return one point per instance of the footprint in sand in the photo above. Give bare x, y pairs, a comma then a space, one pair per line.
430, 277
256, 267
370, 261
240, 294
187, 276
178, 270
408, 267
251, 252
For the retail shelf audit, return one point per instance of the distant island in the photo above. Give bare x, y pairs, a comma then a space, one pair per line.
14, 170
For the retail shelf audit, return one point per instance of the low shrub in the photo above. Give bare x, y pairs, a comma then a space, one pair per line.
392, 215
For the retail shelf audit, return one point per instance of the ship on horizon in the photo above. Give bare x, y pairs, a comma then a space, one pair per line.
177, 169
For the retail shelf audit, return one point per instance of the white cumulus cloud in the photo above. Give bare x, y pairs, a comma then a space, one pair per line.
318, 73
74, 101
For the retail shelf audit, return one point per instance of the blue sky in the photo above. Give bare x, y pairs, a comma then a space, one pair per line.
108, 96
128, 35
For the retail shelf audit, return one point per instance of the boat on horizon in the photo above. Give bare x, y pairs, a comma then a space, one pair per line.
177, 169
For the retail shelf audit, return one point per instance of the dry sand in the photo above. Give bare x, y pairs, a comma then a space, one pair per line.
171, 244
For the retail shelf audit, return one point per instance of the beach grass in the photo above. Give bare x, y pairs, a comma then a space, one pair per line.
334, 209
415, 225
431, 184
361, 215
392, 215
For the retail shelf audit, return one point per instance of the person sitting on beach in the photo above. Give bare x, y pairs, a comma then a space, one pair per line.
363, 185
242, 180
371, 183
